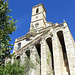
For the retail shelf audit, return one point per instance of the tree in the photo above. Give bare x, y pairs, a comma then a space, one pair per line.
17, 68
7, 26
12, 69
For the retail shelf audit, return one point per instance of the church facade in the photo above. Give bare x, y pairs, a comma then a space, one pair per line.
52, 43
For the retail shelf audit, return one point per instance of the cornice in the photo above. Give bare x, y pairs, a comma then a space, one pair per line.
37, 14
39, 20
31, 42
40, 5
41, 31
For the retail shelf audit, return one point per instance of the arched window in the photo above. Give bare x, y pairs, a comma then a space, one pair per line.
37, 10
18, 57
32, 26
37, 25
28, 53
62, 42
50, 48
19, 45
38, 55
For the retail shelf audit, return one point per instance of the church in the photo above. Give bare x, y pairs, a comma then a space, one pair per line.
50, 43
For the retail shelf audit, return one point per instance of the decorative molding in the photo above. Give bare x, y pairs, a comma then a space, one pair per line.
36, 14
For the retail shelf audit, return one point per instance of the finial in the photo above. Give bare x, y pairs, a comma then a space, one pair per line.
64, 20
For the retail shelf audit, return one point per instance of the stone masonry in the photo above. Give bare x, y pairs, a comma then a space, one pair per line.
51, 46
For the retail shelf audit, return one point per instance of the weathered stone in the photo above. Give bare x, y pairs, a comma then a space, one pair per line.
57, 55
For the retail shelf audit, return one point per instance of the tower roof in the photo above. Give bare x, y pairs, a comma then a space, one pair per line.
40, 5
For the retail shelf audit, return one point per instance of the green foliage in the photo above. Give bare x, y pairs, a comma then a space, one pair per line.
11, 55
7, 26
28, 65
16, 68
12, 69
38, 61
48, 58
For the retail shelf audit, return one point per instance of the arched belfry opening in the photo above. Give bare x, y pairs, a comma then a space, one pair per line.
61, 39
37, 10
49, 43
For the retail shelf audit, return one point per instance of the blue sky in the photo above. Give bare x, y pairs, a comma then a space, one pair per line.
57, 10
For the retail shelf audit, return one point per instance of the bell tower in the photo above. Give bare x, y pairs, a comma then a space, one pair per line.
49, 47
38, 19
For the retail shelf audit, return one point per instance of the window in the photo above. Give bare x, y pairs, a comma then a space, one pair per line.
62, 42
32, 26
19, 45
49, 43
18, 57
37, 10
27, 39
28, 53
37, 25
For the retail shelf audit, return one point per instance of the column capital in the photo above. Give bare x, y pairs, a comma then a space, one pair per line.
42, 41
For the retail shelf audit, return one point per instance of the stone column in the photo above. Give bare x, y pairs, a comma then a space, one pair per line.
12, 60
43, 58
33, 58
56, 54
38, 63
61, 58
49, 61
22, 57
70, 49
